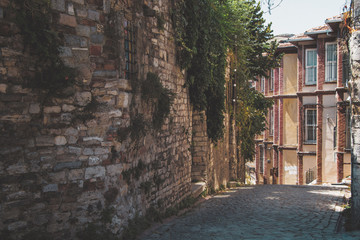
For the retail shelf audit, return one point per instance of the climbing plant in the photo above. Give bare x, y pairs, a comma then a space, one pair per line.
34, 18
207, 31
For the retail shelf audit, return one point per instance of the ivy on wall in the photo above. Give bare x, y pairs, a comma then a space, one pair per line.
207, 31
34, 18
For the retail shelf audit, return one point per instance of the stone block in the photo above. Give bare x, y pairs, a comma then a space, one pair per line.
115, 114
70, 9
75, 150
34, 108
68, 108
70, 165
105, 74
58, 177
87, 139
75, 41
81, 13
83, 30
66, 117
52, 109
17, 225
72, 139
88, 152
124, 84
97, 38
93, 160
93, 15
3, 88
78, 1
1, 13
100, 151
123, 100
58, 5
82, 98
95, 172
67, 20
95, 50
65, 52
51, 188
113, 170
81, 55
71, 132
44, 141
60, 140
76, 174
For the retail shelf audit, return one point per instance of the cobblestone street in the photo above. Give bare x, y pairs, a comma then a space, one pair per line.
261, 212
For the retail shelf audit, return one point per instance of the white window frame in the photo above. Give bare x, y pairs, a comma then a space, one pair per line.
330, 66
313, 125
272, 79
271, 122
312, 68
262, 84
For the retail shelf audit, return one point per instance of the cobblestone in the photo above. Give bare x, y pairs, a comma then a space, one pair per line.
261, 212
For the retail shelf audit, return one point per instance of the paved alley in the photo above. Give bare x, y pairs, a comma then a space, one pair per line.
261, 212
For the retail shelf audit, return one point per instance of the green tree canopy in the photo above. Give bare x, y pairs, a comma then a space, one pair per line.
207, 32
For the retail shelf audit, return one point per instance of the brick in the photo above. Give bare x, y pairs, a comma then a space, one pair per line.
99, 151
3, 88
95, 50
60, 140
93, 15
58, 5
95, 172
83, 30
75, 41
44, 141
93, 160
52, 109
69, 165
51, 188
97, 38
67, 20
65, 52
70, 9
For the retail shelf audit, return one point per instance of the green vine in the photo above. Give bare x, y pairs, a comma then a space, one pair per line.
34, 18
153, 90
207, 32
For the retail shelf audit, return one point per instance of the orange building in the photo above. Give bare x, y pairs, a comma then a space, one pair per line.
307, 138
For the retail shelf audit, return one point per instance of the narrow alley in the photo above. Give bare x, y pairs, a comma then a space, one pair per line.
261, 212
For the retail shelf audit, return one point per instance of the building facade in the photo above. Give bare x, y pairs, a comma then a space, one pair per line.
307, 138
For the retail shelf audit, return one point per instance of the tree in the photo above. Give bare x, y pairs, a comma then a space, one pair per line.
207, 31
271, 4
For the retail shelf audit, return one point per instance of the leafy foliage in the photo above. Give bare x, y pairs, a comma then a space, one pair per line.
251, 118
153, 90
206, 32
34, 20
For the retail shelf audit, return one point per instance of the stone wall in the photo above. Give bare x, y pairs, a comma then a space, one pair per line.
63, 160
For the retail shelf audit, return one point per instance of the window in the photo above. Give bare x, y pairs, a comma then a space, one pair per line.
348, 128
129, 43
271, 122
262, 84
311, 67
261, 163
272, 78
310, 126
331, 62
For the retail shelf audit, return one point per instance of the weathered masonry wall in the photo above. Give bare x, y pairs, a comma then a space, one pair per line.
63, 163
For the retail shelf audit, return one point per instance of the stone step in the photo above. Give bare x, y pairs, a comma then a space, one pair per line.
197, 188
233, 184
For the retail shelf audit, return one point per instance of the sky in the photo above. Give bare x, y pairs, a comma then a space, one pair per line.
297, 16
